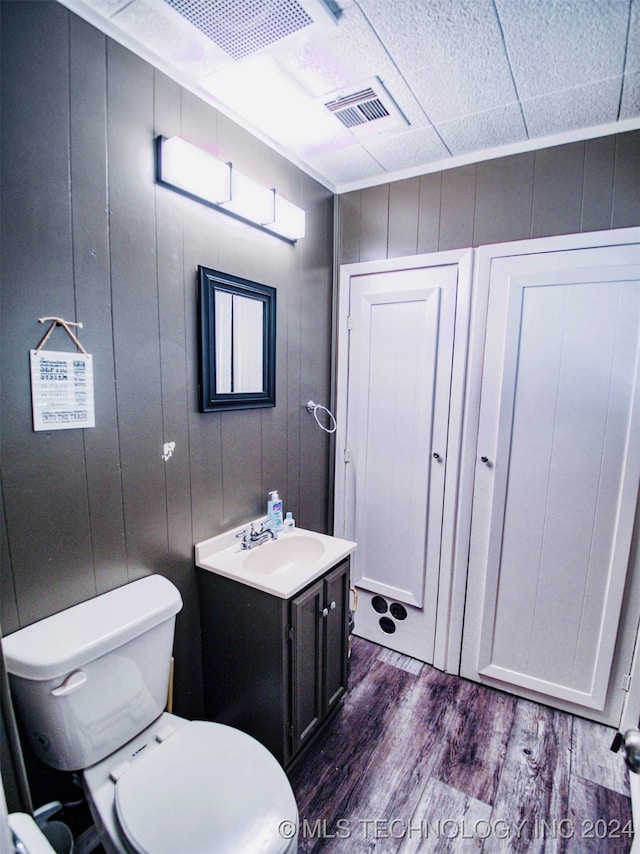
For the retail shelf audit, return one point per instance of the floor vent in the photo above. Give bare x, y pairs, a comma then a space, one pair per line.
370, 109
244, 27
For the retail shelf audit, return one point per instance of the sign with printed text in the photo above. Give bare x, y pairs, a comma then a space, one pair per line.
61, 390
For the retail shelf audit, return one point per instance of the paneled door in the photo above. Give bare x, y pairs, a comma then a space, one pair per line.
557, 474
396, 451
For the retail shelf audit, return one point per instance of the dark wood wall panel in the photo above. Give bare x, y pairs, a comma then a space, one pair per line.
88, 235
429, 212
582, 186
597, 193
404, 206
504, 199
626, 181
92, 290
457, 207
557, 190
47, 516
315, 365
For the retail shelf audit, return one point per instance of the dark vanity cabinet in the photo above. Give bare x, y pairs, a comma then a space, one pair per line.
275, 668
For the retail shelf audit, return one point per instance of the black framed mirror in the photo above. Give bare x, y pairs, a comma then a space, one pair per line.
237, 342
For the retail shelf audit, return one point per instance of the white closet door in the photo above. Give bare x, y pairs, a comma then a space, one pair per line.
400, 359
558, 467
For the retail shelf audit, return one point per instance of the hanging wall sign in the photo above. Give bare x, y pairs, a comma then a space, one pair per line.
61, 386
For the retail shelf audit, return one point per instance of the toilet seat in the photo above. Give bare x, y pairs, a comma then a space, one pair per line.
207, 788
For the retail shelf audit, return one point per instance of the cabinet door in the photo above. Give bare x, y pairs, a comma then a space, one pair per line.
336, 632
558, 463
307, 656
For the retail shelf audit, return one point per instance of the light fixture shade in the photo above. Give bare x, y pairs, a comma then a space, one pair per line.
289, 219
194, 171
201, 176
250, 200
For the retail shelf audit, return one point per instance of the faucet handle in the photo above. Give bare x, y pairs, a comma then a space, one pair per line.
244, 536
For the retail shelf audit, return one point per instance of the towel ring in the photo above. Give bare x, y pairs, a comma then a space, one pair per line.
313, 409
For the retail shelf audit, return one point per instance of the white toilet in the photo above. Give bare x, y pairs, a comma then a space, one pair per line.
90, 686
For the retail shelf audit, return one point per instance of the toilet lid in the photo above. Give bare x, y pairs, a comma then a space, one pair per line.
207, 788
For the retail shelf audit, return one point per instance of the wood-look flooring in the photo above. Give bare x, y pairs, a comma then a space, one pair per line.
418, 760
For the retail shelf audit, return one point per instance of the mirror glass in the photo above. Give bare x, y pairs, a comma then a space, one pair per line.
237, 342
239, 362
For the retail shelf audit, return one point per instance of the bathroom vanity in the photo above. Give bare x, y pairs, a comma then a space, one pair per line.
275, 659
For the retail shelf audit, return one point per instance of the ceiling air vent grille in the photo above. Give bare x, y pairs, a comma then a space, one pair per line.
244, 27
368, 110
359, 108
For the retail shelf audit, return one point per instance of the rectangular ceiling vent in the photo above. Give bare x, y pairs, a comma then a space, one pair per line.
243, 27
368, 110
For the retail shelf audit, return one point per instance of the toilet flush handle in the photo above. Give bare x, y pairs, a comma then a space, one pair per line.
72, 683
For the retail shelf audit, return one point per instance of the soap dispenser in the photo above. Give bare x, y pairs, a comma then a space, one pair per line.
274, 512
289, 522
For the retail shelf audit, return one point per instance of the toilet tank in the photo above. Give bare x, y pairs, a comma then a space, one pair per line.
88, 679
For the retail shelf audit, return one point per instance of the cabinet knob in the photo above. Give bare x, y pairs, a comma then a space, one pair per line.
325, 612
332, 606
484, 459
436, 456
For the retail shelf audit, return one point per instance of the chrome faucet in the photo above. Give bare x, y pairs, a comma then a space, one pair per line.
252, 537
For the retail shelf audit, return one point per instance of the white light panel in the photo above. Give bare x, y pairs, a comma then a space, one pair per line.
188, 169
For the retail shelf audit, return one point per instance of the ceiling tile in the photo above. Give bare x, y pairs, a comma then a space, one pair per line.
109, 7
630, 104
339, 57
451, 54
632, 62
556, 44
493, 128
398, 153
583, 106
353, 164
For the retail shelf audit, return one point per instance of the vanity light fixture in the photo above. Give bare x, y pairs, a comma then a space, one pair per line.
193, 172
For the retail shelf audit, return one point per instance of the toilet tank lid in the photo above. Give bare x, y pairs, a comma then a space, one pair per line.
69, 639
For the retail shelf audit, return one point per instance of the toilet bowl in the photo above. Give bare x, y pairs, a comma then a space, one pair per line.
89, 685
183, 786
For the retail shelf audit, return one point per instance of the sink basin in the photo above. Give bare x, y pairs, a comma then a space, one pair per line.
283, 554
281, 567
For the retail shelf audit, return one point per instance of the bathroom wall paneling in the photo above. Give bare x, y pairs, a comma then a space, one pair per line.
583, 186
87, 235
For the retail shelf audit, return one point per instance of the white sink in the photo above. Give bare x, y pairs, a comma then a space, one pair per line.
283, 554
281, 567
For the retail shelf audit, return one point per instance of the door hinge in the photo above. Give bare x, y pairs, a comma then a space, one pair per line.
347, 455
349, 323
290, 633
626, 682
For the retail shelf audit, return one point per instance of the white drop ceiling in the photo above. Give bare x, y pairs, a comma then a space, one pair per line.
462, 80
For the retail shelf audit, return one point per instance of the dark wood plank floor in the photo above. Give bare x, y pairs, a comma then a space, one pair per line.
418, 760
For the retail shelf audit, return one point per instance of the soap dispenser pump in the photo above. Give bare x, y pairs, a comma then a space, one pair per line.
274, 512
